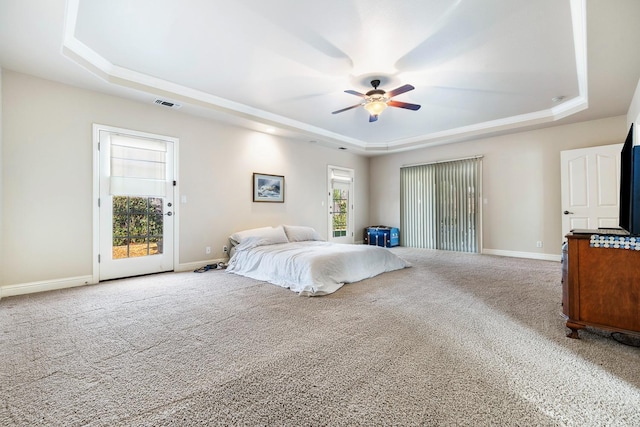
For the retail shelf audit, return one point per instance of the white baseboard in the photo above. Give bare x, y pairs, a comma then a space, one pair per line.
48, 285
72, 282
530, 255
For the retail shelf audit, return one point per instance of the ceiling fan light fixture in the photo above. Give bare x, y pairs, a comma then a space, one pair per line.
375, 106
375, 101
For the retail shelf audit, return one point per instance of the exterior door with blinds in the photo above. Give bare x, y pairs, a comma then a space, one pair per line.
136, 206
340, 205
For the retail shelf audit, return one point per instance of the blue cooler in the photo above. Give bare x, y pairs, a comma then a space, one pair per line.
383, 236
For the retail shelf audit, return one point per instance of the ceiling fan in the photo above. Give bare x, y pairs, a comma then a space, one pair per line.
376, 100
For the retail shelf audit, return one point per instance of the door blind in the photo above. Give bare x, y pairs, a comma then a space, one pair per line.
138, 166
439, 205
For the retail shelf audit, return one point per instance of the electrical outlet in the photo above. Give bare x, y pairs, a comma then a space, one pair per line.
539, 244
225, 249
207, 250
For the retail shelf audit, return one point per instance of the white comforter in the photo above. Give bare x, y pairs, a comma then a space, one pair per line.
313, 267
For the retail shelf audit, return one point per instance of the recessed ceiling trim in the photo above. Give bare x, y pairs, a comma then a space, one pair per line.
454, 135
86, 57
579, 22
466, 132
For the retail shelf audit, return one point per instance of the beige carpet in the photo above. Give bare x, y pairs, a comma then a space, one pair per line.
457, 339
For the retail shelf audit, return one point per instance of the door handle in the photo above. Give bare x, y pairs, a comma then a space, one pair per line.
169, 213
567, 213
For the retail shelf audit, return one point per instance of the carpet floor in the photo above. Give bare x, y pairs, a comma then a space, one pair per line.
457, 339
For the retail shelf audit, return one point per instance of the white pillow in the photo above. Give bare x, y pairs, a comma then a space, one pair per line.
299, 233
260, 236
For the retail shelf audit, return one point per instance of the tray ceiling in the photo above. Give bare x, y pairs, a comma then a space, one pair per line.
478, 67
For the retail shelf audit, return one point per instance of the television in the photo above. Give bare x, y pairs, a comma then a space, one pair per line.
629, 215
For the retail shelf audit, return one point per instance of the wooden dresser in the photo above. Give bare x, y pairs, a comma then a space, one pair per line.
600, 287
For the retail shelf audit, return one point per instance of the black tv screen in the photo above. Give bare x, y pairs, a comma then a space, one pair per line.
630, 186
626, 182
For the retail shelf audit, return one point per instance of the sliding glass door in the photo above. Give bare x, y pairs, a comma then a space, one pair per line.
440, 206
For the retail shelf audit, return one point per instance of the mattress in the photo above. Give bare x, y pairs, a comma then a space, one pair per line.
313, 267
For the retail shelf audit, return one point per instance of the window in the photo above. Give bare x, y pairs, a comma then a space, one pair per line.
340, 211
137, 226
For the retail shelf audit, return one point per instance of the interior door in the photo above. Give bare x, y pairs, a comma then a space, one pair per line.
136, 207
341, 205
590, 187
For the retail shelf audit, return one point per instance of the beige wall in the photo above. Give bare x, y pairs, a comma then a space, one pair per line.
48, 177
521, 181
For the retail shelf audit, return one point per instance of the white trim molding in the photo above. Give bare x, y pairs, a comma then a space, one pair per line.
47, 285
73, 282
516, 254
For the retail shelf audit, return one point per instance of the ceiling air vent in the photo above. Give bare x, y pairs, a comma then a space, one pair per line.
167, 103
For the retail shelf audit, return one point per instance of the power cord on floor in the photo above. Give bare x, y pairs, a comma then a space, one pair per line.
220, 265
626, 339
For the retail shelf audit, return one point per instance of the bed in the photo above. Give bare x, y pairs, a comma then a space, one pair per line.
295, 257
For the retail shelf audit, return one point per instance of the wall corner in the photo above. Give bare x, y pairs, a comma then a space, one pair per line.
633, 114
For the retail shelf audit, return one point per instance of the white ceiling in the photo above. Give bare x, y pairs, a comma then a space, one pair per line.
479, 67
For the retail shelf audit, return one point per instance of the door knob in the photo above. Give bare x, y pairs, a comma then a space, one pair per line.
567, 213
169, 213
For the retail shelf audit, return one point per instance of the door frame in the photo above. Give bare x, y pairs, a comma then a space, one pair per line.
351, 208
97, 128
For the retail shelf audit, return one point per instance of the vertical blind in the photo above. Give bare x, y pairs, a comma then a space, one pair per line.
138, 167
439, 205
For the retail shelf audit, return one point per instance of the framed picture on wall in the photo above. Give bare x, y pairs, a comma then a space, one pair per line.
268, 188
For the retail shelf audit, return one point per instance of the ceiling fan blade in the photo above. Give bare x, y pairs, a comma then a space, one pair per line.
406, 105
399, 90
373, 118
353, 92
345, 109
